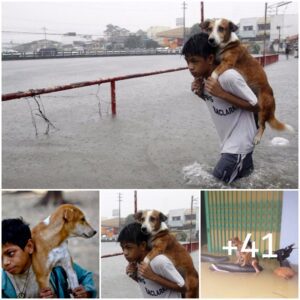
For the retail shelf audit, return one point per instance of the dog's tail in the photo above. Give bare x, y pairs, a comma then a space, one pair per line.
275, 124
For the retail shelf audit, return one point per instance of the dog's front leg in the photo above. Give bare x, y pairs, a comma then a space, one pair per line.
68, 267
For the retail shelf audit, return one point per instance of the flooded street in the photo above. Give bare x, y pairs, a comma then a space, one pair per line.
247, 285
162, 136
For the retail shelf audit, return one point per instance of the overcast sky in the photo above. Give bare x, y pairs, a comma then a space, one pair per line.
162, 200
91, 17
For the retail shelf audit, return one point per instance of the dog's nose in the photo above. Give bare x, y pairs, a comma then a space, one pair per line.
144, 229
211, 41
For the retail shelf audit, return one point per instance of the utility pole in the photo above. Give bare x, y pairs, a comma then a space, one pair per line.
135, 202
265, 35
119, 200
201, 12
191, 221
45, 33
184, 7
278, 27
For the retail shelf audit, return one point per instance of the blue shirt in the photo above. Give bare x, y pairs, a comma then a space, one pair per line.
58, 280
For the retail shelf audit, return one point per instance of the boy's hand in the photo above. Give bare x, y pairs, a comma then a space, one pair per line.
213, 87
131, 270
198, 86
47, 293
146, 271
80, 292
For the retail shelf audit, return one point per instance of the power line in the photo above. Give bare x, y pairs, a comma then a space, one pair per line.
49, 33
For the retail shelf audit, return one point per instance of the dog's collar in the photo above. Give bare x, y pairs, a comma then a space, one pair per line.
229, 46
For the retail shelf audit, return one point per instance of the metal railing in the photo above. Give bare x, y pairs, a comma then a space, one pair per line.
36, 92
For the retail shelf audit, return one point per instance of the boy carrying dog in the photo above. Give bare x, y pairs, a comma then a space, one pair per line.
160, 279
231, 104
18, 279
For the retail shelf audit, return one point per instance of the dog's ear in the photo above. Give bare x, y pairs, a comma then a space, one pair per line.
204, 25
162, 217
68, 214
138, 216
233, 27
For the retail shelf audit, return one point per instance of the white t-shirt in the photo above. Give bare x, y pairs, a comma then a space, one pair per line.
162, 266
235, 126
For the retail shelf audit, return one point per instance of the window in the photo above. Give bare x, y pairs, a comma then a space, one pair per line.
190, 217
262, 26
176, 218
248, 28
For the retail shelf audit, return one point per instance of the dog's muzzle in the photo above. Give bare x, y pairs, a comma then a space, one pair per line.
144, 230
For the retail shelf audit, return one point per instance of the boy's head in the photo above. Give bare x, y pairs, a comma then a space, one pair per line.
199, 54
133, 242
17, 246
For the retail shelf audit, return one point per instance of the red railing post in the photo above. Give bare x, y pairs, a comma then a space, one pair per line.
113, 97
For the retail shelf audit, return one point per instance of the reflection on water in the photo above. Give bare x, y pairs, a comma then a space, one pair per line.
248, 285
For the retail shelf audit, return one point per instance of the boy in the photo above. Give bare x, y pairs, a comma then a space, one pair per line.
160, 279
18, 279
231, 104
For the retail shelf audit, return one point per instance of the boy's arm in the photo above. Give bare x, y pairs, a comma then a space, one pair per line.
86, 281
234, 90
146, 271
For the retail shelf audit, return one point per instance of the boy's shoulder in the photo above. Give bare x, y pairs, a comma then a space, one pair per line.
229, 75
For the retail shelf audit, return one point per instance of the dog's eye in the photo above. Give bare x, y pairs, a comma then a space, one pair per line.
221, 29
142, 219
83, 219
152, 219
209, 29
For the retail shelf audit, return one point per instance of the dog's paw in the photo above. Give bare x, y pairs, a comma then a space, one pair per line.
256, 140
146, 260
214, 75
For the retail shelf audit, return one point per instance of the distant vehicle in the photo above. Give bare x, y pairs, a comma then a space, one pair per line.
11, 53
46, 52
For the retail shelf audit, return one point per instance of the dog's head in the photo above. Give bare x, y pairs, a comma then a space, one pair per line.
221, 32
74, 222
152, 221
236, 241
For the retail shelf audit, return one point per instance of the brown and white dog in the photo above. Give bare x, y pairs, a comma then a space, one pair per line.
162, 242
51, 246
244, 258
232, 54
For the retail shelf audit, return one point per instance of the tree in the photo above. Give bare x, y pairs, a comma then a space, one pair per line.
133, 42
151, 44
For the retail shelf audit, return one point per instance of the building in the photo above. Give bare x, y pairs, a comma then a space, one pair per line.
154, 30
172, 38
278, 29
183, 218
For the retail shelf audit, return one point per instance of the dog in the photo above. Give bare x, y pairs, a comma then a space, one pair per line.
162, 242
245, 258
50, 241
232, 54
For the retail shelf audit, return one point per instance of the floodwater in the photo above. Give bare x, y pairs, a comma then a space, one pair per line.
248, 285
162, 136
114, 281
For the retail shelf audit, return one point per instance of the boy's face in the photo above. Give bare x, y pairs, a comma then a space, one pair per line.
199, 66
133, 252
14, 259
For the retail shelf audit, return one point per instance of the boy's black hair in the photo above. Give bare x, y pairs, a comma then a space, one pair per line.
198, 45
132, 233
15, 231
